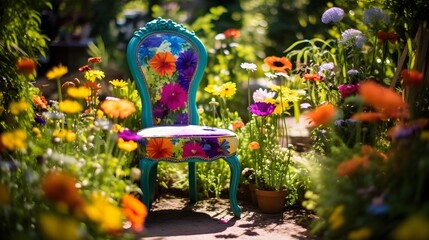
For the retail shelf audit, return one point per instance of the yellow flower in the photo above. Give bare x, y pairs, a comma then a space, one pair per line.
360, 234
18, 107
227, 90
336, 220
100, 113
79, 92
414, 227
118, 83
70, 106
117, 128
14, 140
424, 135
56, 227
281, 106
57, 72
93, 75
210, 88
65, 134
127, 146
105, 213
37, 131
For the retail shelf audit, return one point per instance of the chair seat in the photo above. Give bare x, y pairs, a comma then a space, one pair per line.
181, 143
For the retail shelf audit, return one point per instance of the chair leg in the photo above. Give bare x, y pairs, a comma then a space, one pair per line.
192, 178
234, 165
148, 180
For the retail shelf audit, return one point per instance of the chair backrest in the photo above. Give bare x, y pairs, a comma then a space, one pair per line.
167, 62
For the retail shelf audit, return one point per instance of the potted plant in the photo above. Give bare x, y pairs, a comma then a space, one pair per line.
268, 139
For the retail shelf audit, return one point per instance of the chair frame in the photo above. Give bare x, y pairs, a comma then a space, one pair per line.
148, 166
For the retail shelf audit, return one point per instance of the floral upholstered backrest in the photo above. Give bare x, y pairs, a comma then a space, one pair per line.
167, 62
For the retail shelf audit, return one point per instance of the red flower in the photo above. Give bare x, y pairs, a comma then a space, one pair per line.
84, 68
232, 33
412, 77
26, 66
94, 60
387, 36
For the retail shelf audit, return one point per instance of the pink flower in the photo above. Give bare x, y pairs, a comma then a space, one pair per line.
173, 96
348, 89
191, 149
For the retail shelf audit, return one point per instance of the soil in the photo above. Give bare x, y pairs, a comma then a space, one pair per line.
173, 217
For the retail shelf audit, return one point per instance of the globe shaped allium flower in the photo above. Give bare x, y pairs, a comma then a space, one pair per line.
333, 15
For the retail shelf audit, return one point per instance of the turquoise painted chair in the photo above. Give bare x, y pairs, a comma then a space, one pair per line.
167, 63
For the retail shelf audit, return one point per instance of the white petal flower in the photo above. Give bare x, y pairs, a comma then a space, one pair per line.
261, 95
270, 76
248, 66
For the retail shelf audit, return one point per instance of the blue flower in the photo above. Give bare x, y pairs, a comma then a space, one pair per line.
185, 78
333, 15
176, 43
352, 72
186, 60
210, 146
375, 15
378, 209
352, 37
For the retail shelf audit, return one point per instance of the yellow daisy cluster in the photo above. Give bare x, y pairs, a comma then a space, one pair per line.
18, 107
57, 72
118, 83
65, 134
79, 92
93, 75
70, 107
14, 140
127, 146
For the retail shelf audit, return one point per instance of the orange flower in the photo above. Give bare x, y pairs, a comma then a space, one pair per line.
94, 59
60, 188
26, 66
312, 77
40, 101
84, 68
322, 115
159, 148
164, 63
254, 145
369, 116
237, 125
412, 77
383, 99
135, 211
368, 150
278, 64
387, 36
232, 33
350, 166
121, 108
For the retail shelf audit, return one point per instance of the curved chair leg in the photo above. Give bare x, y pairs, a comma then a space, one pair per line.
147, 180
192, 178
234, 165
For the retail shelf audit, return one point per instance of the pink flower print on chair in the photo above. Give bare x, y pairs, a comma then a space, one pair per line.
173, 96
192, 149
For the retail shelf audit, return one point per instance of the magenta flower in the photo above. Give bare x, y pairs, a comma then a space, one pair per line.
348, 89
262, 108
173, 96
193, 149
129, 135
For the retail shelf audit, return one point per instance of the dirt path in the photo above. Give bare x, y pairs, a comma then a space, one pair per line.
172, 217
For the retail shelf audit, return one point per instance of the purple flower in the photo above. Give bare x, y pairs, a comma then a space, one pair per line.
378, 209
352, 37
159, 110
333, 15
185, 78
210, 146
348, 89
39, 119
186, 60
128, 135
352, 72
262, 108
374, 15
193, 148
406, 132
173, 96
181, 119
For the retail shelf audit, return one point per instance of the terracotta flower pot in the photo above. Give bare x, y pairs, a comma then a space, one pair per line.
270, 201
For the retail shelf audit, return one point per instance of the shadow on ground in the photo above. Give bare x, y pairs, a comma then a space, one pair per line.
172, 217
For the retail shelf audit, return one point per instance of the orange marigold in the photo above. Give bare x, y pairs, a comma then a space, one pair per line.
278, 64
254, 145
233, 33
26, 66
159, 148
94, 59
312, 77
118, 108
135, 211
237, 125
322, 115
350, 166
412, 77
383, 99
40, 101
369, 116
164, 63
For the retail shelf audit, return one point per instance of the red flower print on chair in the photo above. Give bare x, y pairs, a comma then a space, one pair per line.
159, 148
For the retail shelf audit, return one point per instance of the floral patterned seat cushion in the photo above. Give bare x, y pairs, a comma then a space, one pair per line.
179, 143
